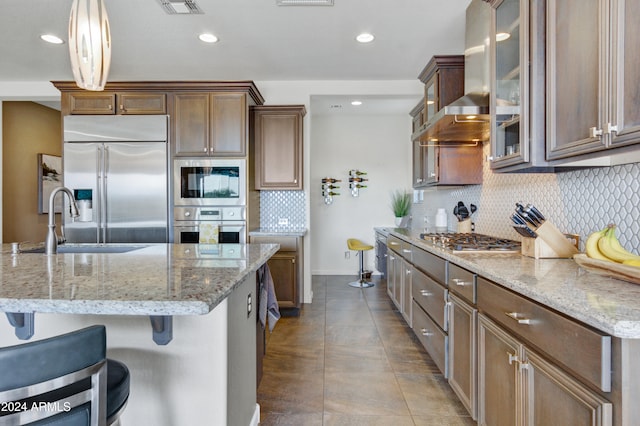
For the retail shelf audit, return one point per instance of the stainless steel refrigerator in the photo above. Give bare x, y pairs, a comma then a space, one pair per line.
116, 166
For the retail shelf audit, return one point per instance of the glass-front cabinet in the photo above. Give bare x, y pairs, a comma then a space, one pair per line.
508, 93
517, 85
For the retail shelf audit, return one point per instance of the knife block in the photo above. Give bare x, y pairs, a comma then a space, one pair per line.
550, 243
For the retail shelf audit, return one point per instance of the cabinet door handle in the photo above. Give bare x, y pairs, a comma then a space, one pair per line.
426, 332
459, 282
512, 358
611, 128
426, 293
206, 149
516, 317
393, 243
407, 272
406, 251
594, 132
432, 174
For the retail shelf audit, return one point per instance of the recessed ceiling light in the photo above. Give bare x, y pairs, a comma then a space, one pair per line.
356, 103
502, 36
365, 38
208, 38
50, 38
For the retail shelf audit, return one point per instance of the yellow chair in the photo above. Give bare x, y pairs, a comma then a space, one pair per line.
360, 247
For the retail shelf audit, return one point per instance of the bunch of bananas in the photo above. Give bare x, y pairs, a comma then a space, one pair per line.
604, 245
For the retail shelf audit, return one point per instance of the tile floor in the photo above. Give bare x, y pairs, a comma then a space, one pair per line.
350, 359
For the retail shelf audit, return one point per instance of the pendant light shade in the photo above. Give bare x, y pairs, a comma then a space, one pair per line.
89, 44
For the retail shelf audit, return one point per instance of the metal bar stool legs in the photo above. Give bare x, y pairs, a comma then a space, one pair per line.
363, 276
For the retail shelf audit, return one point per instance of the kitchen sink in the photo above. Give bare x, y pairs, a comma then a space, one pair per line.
88, 248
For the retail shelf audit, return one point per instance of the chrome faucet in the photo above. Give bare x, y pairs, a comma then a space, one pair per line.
51, 243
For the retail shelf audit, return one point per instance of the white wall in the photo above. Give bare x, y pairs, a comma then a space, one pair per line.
376, 144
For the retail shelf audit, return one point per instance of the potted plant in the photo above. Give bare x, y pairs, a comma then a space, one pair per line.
401, 205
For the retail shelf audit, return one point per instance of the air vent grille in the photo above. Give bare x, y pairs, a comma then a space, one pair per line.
304, 2
184, 7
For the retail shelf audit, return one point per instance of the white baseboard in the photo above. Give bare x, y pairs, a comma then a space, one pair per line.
255, 420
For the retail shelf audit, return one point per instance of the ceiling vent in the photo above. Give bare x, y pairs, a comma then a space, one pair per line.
304, 2
185, 7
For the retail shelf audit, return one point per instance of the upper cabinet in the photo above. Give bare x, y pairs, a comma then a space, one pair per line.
517, 86
208, 118
277, 138
435, 162
592, 77
443, 79
210, 124
109, 103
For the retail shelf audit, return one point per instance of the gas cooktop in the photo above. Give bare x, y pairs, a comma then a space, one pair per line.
477, 243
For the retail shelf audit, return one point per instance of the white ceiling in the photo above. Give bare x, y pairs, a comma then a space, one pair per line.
259, 40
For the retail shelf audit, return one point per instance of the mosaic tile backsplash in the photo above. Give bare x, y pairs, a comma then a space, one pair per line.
577, 202
278, 205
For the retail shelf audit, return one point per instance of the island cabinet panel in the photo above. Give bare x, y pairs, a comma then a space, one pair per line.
108, 103
286, 271
462, 352
209, 124
278, 146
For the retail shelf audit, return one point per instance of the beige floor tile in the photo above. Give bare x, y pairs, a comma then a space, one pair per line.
363, 394
430, 395
341, 358
331, 419
350, 359
352, 335
307, 419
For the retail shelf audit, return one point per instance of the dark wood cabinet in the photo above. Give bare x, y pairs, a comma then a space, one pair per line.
454, 165
443, 79
286, 270
442, 163
110, 103
210, 124
278, 138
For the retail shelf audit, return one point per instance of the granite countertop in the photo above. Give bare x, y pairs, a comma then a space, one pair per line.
160, 279
279, 232
607, 304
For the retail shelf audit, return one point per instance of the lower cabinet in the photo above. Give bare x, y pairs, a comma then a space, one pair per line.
286, 271
462, 352
519, 387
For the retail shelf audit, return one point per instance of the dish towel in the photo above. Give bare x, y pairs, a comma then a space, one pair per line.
268, 306
208, 233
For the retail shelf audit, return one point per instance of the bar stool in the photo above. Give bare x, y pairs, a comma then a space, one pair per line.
360, 247
70, 374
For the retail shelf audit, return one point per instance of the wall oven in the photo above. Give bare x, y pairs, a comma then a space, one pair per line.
209, 225
209, 182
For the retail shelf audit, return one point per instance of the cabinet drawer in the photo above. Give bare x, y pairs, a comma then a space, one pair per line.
462, 283
434, 340
580, 349
430, 296
430, 264
286, 243
403, 248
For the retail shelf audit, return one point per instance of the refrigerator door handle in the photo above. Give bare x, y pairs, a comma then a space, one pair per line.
103, 199
98, 201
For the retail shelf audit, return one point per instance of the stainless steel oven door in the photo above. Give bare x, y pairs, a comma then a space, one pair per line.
230, 232
210, 182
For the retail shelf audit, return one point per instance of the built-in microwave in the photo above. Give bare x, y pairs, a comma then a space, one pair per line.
209, 182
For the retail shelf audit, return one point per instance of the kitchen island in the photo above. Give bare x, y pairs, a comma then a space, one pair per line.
201, 299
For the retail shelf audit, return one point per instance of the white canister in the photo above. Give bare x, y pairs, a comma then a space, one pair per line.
441, 220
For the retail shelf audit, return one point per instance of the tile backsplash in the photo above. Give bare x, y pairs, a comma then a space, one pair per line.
577, 202
276, 207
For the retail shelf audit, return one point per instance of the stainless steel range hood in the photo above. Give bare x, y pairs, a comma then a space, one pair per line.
467, 118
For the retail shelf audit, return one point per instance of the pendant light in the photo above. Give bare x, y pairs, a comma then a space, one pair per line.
89, 44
